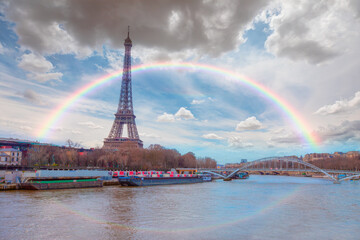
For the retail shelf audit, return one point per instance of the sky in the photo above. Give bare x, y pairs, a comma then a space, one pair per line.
306, 52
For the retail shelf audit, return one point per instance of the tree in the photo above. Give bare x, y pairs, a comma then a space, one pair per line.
72, 144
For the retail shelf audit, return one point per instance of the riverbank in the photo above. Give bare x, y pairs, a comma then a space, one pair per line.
12, 186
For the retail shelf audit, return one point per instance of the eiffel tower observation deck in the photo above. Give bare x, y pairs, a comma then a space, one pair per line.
123, 132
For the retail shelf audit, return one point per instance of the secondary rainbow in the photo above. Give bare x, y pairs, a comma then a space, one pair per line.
297, 120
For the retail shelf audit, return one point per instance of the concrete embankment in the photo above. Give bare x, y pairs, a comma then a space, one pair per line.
13, 186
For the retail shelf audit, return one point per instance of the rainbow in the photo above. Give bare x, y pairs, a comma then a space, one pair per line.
299, 123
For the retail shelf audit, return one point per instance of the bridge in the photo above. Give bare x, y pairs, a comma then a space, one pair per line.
282, 164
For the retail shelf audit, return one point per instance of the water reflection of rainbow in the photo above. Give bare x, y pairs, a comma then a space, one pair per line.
299, 123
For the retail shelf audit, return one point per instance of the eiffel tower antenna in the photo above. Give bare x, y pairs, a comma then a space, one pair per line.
124, 117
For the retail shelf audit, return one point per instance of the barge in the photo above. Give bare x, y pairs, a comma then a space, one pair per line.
162, 180
47, 183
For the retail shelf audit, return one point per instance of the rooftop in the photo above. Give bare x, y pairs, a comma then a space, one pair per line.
9, 150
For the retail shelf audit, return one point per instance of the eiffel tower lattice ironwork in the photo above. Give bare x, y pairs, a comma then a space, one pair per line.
124, 117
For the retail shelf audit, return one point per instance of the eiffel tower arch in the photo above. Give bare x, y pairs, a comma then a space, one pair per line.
124, 117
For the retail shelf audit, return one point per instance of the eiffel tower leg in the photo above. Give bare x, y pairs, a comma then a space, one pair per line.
130, 132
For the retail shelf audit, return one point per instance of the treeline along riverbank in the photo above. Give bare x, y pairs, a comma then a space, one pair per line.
155, 157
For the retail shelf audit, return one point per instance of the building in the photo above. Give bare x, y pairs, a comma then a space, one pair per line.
316, 156
10, 156
321, 156
353, 154
220, 166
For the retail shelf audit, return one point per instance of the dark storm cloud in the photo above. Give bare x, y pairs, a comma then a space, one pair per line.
210, 27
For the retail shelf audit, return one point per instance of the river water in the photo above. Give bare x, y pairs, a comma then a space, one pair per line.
261, 207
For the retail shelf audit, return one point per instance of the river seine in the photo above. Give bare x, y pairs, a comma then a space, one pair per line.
261, 207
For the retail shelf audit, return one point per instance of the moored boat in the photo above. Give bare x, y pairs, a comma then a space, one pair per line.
47, 183
242, 175
162, 180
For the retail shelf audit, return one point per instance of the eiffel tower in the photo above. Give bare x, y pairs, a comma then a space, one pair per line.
124, 117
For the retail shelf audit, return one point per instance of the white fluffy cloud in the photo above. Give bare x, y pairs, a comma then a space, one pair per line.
341, 106
166, 118
35, 63
183, 113
237, 142
250, 123
212, 136
39, 68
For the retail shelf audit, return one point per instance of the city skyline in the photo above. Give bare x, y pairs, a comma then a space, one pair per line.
308, 55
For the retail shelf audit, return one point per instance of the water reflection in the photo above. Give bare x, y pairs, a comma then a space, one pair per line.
262, 207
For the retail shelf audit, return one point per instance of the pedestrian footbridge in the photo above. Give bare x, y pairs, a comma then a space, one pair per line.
279, 164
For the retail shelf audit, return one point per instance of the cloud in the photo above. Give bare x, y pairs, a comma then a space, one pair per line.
35, 63
39, 68
250, 123
90, 124
197, 101
341, 106
26, 128
115, 59
314, 32
288, 138
148, 135
166, 118
208, 27
183, 113
270, 144
44, 77
201, 101
212, 136
2, 49
346, 130
56, 129
284, 136
32, 96
236, 142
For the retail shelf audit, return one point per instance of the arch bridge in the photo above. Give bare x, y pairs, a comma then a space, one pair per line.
276, 164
